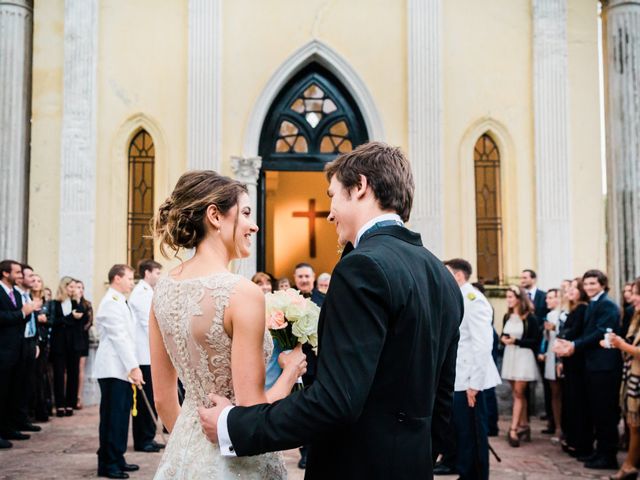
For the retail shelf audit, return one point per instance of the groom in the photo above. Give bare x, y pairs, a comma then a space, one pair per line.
388, 339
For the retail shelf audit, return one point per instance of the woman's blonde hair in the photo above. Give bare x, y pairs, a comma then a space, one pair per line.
61, 294
38, 293
180, 220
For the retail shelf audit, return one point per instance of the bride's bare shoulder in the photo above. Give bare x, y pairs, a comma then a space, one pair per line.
246, 290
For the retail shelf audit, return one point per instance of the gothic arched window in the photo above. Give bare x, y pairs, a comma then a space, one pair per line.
486, 157
313, 119
140, 211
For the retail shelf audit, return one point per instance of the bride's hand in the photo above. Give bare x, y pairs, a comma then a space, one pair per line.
294, 362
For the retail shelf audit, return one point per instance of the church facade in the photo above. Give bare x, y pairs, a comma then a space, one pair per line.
495, 102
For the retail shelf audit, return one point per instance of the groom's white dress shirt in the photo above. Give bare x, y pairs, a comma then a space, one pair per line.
475, 368
224, 440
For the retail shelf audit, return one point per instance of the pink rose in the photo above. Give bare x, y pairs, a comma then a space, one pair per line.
276, 320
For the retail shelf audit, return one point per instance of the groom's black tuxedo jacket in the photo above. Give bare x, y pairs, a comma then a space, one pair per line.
386, 366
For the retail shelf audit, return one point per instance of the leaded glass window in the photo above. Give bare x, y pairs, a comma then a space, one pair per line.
140, 211
486, 158
312, 120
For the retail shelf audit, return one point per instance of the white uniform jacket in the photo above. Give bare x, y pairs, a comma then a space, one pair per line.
140, 304
116, 355
475, 367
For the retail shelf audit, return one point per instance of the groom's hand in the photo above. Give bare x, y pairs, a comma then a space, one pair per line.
209, 416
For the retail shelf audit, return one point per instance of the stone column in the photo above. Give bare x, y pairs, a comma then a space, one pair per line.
621, 32
425, 120
247, 170
16, 46
78, 143
204, 99
551, 140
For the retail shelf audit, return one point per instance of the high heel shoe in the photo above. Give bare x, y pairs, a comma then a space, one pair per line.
524, 434
625, 474
513, 442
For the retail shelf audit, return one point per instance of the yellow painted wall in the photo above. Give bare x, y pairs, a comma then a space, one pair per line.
487, 81
44, 187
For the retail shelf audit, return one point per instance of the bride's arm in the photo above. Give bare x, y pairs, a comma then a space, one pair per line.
247, 327
165, 379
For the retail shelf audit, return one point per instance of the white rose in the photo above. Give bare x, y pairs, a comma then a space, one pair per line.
305, 328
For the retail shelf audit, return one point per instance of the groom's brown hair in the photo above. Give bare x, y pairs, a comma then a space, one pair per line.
387, 171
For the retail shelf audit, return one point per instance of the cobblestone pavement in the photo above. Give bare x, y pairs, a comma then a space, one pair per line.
66, 449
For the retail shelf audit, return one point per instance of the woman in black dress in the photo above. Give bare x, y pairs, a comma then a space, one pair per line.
64, 352
82, 336
575, 417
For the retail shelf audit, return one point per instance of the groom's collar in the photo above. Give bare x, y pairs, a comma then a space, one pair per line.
402, 233
385, 217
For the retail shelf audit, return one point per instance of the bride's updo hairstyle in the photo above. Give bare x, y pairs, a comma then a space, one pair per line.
180, 220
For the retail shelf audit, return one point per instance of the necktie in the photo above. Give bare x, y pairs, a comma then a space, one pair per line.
531, 296
13, 298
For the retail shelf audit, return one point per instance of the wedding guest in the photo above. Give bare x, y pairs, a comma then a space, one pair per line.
630, 348
475, 373
116, 369
82, 336
27, 367
284, 284
323, 282
263, 281
273, 370
13, 318
144, 425
42, 393
529, 281
550, 332
521, 337
627, 308
48, 294
576, 419
603, 369
64, 354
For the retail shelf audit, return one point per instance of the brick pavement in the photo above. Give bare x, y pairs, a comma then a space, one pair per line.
65, 449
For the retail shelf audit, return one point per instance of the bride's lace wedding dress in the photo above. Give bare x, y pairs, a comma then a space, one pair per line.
190, 314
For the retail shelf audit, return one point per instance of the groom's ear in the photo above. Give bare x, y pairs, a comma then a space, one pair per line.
360, 190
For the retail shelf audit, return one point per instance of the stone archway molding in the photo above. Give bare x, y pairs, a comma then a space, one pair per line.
314, 51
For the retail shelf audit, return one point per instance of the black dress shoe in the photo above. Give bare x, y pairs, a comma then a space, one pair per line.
587, 457
602, 463
5, 443
129, 467
113, 474
157, 444
149, 448
443, 469
29, 427
15, 435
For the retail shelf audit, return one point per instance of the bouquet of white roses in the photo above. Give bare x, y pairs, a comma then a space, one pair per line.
292, 319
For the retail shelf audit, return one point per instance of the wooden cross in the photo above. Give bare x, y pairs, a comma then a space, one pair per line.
312, 214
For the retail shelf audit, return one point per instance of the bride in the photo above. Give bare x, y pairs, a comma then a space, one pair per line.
207, 328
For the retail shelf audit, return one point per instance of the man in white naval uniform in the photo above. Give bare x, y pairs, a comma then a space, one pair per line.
116, 368
475, 372
143, 425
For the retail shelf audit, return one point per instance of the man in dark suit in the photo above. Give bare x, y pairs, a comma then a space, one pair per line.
529, 281
304, 278
603, 369
13, 318
388, 339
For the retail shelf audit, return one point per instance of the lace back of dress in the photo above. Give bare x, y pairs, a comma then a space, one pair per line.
190, 314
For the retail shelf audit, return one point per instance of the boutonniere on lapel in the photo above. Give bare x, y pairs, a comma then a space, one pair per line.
471, 296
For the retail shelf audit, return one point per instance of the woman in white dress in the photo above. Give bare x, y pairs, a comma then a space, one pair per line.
521, 337
207, 328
